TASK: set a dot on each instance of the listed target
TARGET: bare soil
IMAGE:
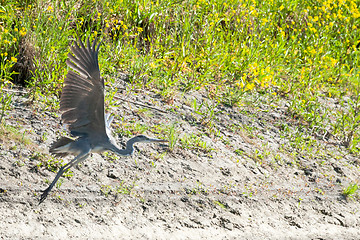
(245, 187)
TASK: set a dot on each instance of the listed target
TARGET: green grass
(50, 163)
(301, 51)
(350, 191)
(193, 142)
(123, 188)
(10, 133)
(223, 206)
(172, 135)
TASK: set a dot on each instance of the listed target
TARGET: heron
(82, 107)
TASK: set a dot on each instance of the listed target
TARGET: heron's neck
(128, 150)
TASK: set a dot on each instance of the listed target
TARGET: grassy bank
(303, 52)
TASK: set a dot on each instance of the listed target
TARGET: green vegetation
(350, 191)
(206, 111)
(223, 206)
(122, 188)
(172, 136)
(5, 101)
(129, 129)
(8, 132)
(194, 142)
(306, 52)
(50, 163)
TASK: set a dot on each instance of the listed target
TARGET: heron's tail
(61, 146)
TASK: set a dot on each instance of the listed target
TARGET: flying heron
(82, 107)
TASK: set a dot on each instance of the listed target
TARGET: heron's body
(82, 106)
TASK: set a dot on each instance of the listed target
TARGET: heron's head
(140, 138)
(145, 139)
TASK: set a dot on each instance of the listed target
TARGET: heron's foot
(44, 195)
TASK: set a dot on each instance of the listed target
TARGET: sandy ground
(246, 187)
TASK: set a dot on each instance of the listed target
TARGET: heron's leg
(81, 157)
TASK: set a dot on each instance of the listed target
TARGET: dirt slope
(243, 181)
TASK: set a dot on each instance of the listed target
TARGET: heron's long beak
(157, 140)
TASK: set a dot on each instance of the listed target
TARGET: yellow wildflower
(250, 86)
(22, 32)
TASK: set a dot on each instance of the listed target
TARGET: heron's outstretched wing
(82, 99)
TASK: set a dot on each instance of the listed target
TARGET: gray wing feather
(82, 99)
